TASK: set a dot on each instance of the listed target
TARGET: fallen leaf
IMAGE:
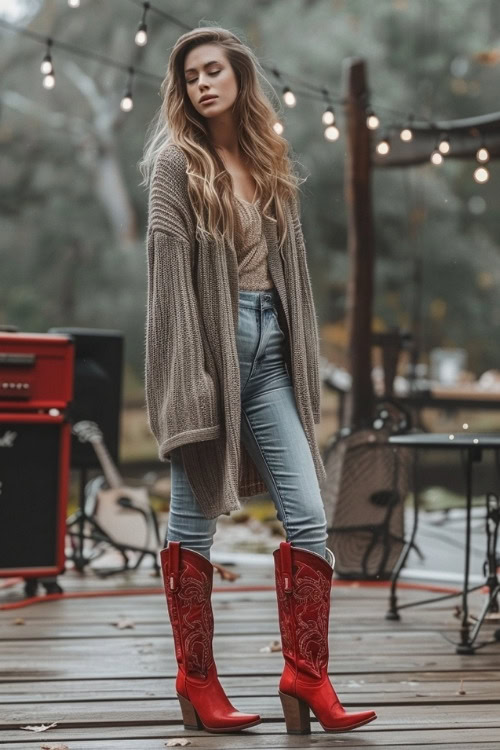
(461, 689)
(41, 727)
(273, 646)
(124, 622)
(58, 746)
(19, 621)
(177, 743)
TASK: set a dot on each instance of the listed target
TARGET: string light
(437, 156)
(406, 134)
(127, 103)
(372, 121)
(482, 154)
(481, 174)
(383, 147)
(444, 144)
(328, 117)
(49, 81)
(289, 97)
(46, 66)
(332, 133)
(141, 36)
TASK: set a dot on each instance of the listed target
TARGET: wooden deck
(109, 688)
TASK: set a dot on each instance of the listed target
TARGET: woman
(231, 375)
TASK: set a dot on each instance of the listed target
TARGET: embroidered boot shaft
(187, 579)
(303, 586)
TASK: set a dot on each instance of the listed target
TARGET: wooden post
(358, 198)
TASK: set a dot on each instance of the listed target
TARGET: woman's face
(208, 72)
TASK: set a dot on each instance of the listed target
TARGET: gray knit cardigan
(192, 379)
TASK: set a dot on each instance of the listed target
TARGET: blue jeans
(272, 433)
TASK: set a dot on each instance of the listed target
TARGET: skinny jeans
(272, 433)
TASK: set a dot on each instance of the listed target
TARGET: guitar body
(123, 513)
(126, 525)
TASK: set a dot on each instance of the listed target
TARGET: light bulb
(482, 154)
(328, 117)
(444, 145)
(406, 134)
(74, 3)
(436, 157)
(481, 174)
(332, 133)
(46, 66)
(126, 103)
(49, 81)
(383, 147)
(289, 98)
(278, 127)
(372, 121)
(141, 37)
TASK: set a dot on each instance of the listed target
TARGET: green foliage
(74, 217)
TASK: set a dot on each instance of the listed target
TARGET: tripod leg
(392, 612)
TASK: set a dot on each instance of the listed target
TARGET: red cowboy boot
(303, 585)
(187, 578)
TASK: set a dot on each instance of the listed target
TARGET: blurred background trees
(73, 215)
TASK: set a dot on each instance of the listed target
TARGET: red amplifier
(36, 388)
(36, 371)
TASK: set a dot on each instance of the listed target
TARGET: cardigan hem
(190, 436)
(253, 488)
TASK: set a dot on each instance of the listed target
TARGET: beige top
(251, 248)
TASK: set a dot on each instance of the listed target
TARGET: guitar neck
(110, 471)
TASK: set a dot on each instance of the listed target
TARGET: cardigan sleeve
(312, 343)
(180, 394)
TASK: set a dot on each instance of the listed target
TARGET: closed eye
(210, 74)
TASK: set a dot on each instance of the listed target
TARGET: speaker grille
(29, 492)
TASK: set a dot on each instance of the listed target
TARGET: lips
(207, 99)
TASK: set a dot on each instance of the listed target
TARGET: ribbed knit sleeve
(311, 342)
(180, 394)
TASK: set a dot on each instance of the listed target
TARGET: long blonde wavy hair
(267, 154)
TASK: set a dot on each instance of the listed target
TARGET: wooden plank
(439, 686)
(265, 736)
(267, 742)
(241, 644)
(121, 659)
(159, 629)
(135, 713)
(348, 615)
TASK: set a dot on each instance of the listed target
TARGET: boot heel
(296, 712)
(189, 715)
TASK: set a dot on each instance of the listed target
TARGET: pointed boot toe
(188, 579)
(303, 588)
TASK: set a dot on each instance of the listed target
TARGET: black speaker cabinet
(98, 385)
(34, 479)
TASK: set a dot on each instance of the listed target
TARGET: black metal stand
(467, 638)
(97, 535)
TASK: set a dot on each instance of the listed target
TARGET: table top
(447, 439)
